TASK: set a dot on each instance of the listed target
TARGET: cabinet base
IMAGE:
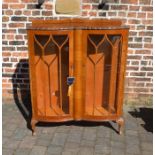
(119, 121)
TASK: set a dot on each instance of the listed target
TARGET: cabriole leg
(120, 123)
(33, 126)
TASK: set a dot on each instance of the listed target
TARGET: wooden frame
(78, 32)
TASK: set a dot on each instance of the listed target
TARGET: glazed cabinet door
(103, 57)
(51, 60)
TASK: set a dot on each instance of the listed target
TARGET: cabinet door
(52, 60)
(102, 55)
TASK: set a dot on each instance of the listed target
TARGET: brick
(7, 85)
(147, 22)
(93, 13)
(143, 63)
(8, 48)
(149, 27)
(122, 14)
(5, 59)
(146, 69)
(14, 59)
(141, 90)
(148, 57)
(94, 7)
(20, 37)
(6, 54)
(8, 31)
(10, 37)
(132, 33)
(8, 12)
(135, 63)
(140, 27)
(119, 7)
(147, 8)
(149, 74)
(22, 31)
(5, 18)
(84, 13)
(10, 1)
(135, 45)
(149, 84)
(29, 1)
(86, 7)
(137, 74)
(15, 18)
(6, 64)
(111, 13)
(4, 6)
(130, 57)
(130, 1)
(134, 21)
(4, 42)
(132, 68)
(103, 14)
(13, 25)
(138, 39)
(35, 13)
(149, 15)
(142, 52)
(90, 1)
(143, 79)
(27, 12)
(47, 13)
(17, 6)
(148, 46)
(141, 15)
(48, 6)
(147, 2)
(132, 14)
(22, 49)
(18, 12)
(3, 36)
(31, 6)
(149, 33)
(16, 42)
(134, 8)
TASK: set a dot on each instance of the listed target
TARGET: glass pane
(101, 74)
(52, 69)
(42, 39)
(64, 75)
(60, 39)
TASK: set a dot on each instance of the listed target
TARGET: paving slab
(77, 138)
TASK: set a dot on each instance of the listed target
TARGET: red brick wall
(138, 14)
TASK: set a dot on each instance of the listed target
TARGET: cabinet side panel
(122, 72)
(32, 73)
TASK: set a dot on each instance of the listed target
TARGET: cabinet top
(71, 24)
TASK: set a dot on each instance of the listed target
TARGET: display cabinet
(77, 70)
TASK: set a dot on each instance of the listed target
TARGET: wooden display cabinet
(77, 69)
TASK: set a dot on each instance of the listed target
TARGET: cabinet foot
(120, 123)
(33, 126)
